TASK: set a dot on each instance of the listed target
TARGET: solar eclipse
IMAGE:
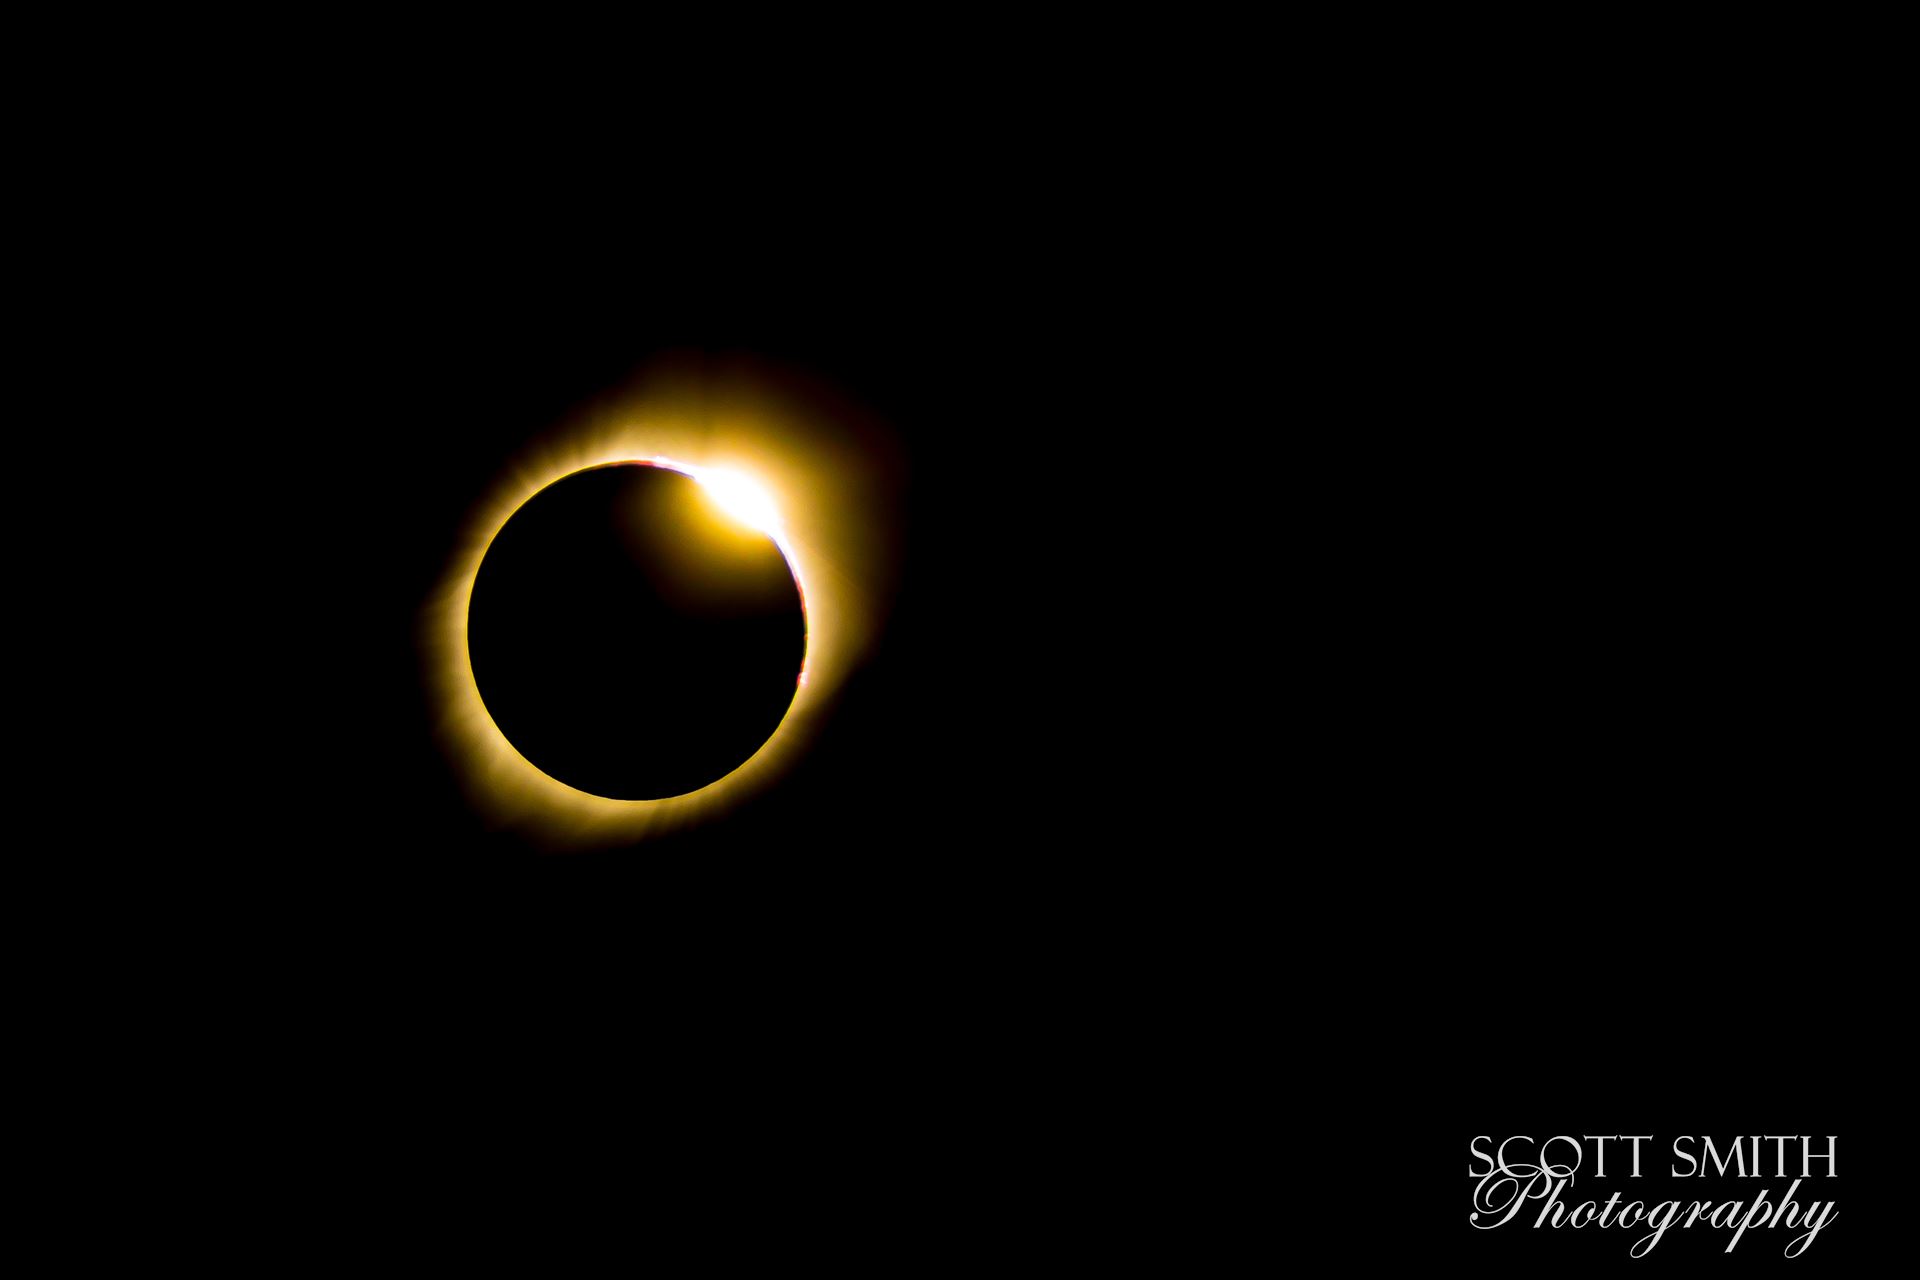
(646, 617)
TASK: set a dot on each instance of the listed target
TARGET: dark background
(1371, 667)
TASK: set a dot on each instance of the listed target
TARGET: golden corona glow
(773, 454)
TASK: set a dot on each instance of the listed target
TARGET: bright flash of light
(779, 457)
(740, 496)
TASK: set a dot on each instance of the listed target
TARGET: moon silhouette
(635, 632)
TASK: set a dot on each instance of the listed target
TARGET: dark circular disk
(629, 638)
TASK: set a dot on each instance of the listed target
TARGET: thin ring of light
(825, 527)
